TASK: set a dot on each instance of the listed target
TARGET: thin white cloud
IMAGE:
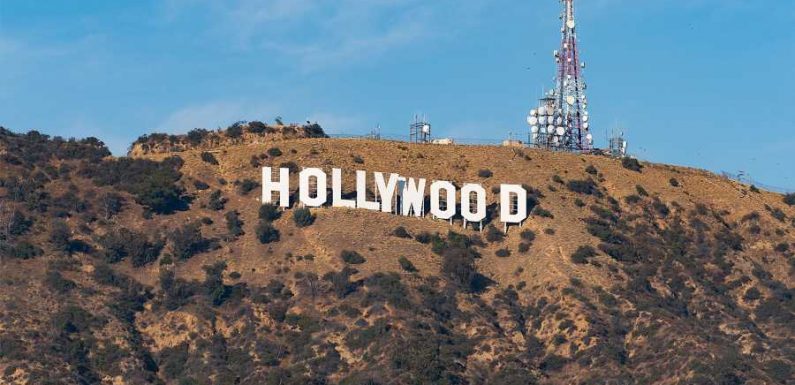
(316, 34)
(215, 114)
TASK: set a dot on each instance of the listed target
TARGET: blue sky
(704, 83)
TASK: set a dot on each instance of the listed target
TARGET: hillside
(164, 268)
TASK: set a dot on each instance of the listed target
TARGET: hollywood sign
(396, 194)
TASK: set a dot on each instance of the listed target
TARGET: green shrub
(303, 217)
(234, 224)
(154, 184)
(235, 130)
(274, 152)
(266, 233)
(543, 213)
(528, 235)
(352, 257)
(583, 254)
(216, 201)
(789, 199)
(188, 241)
(424, 237)
(197, 135)
(641, 191)
(208, 157)
(503, 253)
(60, 236)
(123, 243)
(493, 234)
(591, 170)
(406, 265)
(246, 186)
(18, 224)
(200, 185)
(485, 173)
(358, 159)
(586, 187)
(752, 294)
(20, 250)
(673, 182)
(631, 164)
(292, 166)
(632, 199)
(269, 212)
(401, 232)
(57, 283)
(524, 247)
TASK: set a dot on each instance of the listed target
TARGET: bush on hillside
(235, 131)
(631, 164)
(187, 241)
(274, 152)
(123, 243)
(216, 201)
(493, 234)
(406, 265)
(352, 257)
(528, 235)
(583, 254)
(485, 173)
(591, 170)
(269, 212)
(196, 136)
(401, 232)
(208, 157)
(154, 184)
(586, 187)
(303, 217)
(266, 233)
(789, 199)
(234, 224)
(246, 186)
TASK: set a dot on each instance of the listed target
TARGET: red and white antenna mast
(562, 122)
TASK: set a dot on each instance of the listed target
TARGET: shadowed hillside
(165, 269)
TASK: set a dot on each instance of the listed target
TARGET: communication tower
(618, 145)
(561, 121)
(420, 130)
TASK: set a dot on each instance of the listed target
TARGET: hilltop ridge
(242, 132)
(165, 268)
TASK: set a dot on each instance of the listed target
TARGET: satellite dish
(542, 120)
(561, 131)
(542, 110)
(551, 129)
(570, 99)
(571, 24)
(426, 128)
(589, 137)
(535, 137)
(532, 120)
(533, 113)
(585, 118)
(559, 121)
(534, 130)
(586, 125)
